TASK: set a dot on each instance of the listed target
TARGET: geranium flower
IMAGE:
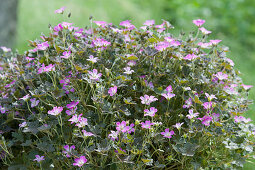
(100, 43)
(130, 128)
(128, 70)
(188, 103)
(75, 119)
(82, 122)
(34, 102)
(246, 87)
(215, 42)
(80, 161)
(43, 46)
(150, 112)
(39, 158)
(113, 90)
(199, 22)
(122, 126)
(94, 75)
(23, 124)
(72, 104)
(147, 124)
(55, 111)
(25, 98)
(167, 134)
(175, 43)
(204, 45)
(206, 120)
(131, 63)
(207, 105)
(221, 76)
(205, 31)
(100, 23)
(150, 84)
(127, 24)
(60, 10)
(71, 111)
(5, 49)
(169, 89)
(168, 96)
(241, 119)
(92, 59)
(2, 109)
(191, 114)
(147, 99)
(149, 22)
(114, 135)
(161, 46)
(66, 55)
(190, 57)
(68, 150)
(210, 97)
(178, 125)
(87, 134)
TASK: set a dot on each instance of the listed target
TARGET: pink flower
(204, 45)
(60, 11)
(82, 122)
(221, 76)
(178, 125)
(43, 46)
(75, 119)
(131, 63)
(210, 97)
(127, 24)
(68, 150)
(34, 102)
(100, 43)
(87, 134)
(80, 161)
(190, 57)
(169, 89)
(49, 68)
(147, 99)
(39, 158)
(25, 98)
(130, 128)
(246, 87)
(92, 59)
(149, 22)
(167, 134)
(147, 124)
(72, 104)
(215, 42)
(168, 96)
(3, 109)
(150, 112)
(128, 70)
(199, 22)
(230, 62)
(55, 111)
(94, 75)
(175, 43)
(205, 31)
(122, 126)
(241, 119)
(114, 135)
(188, 103)
(113, 90)
(161, 46)
(207, 105)
(23, 124)
(191, 114)
(100, 23)
(5, 49)
(206, 120)
(66, 55)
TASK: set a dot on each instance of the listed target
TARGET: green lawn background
(230, 21)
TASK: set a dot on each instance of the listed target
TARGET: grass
(35, 16)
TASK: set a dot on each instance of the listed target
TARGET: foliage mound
(123, 97)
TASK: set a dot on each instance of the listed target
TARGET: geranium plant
(123, 98)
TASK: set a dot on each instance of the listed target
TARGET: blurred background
(232, 21)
